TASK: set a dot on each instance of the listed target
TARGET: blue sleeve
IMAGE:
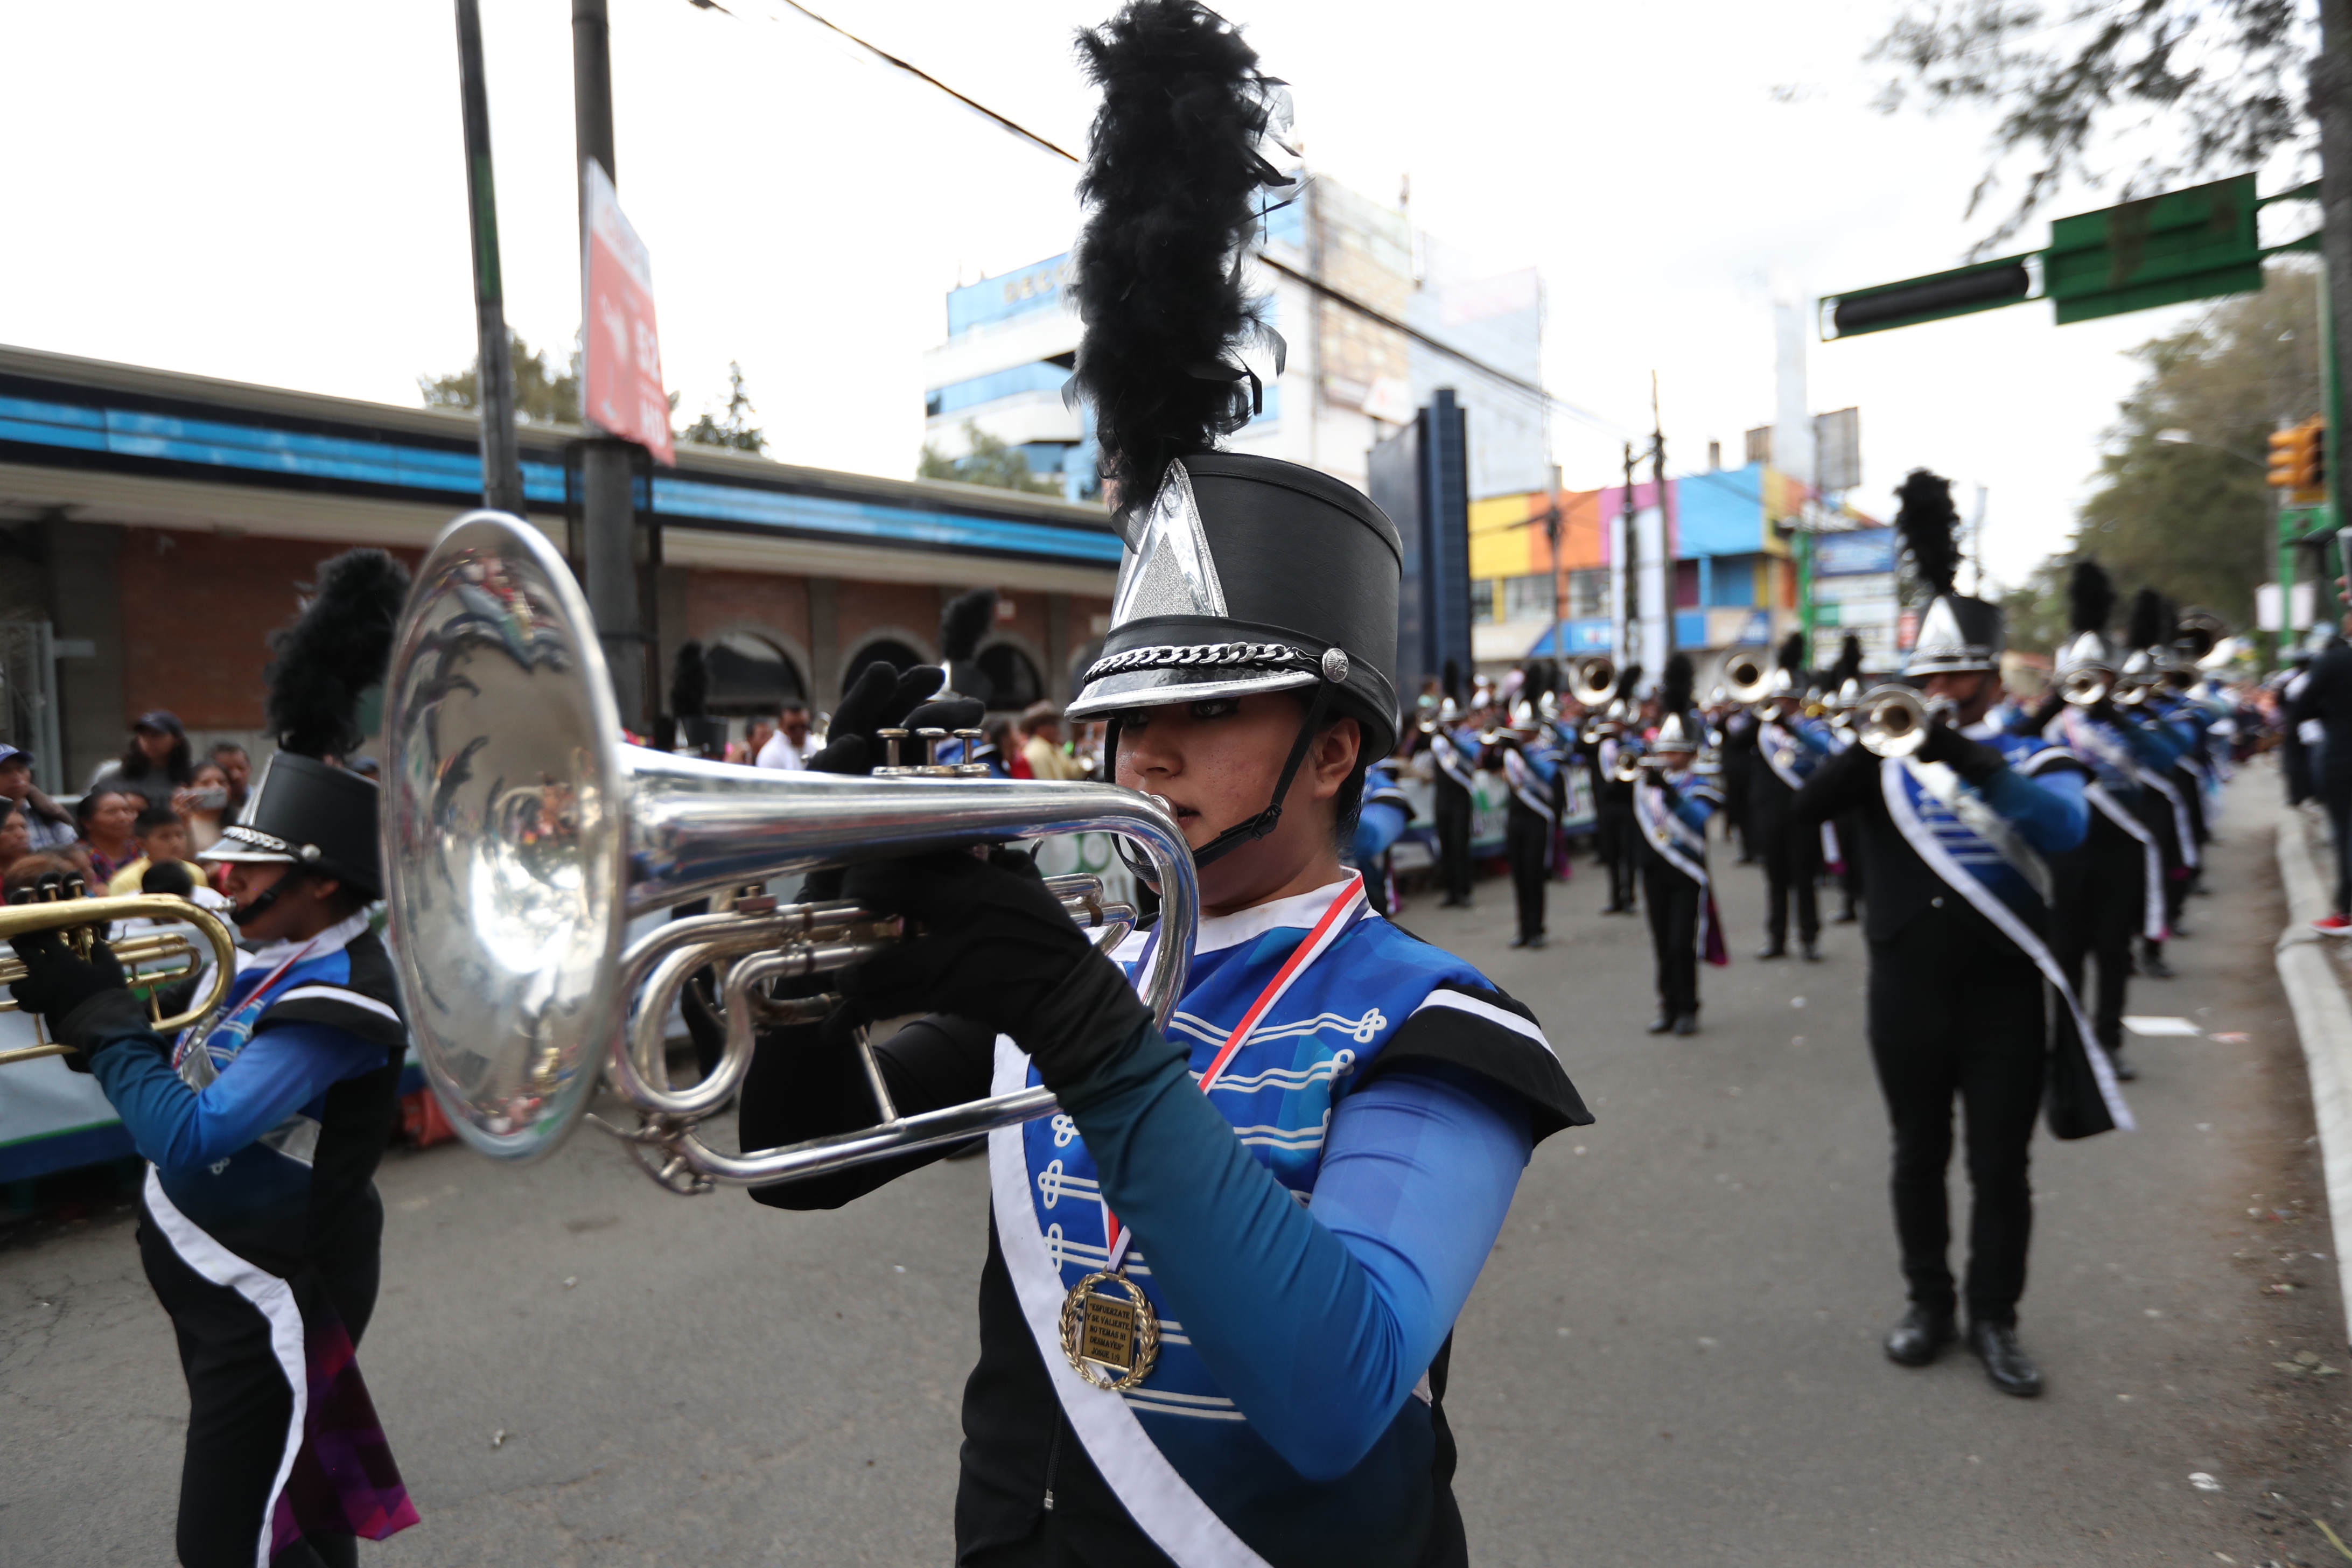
(280, 1071)
(1545, 763)
(2049, 809)
(1378, 826)
(1694, 807)
(1317, 1322)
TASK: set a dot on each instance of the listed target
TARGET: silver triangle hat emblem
(1168, 570)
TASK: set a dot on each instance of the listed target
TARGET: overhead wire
(1543, 396)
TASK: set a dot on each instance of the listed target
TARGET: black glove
(1972, 760)
(996, 948)
(883, 699)
(2049, 709)
(72, 993)
(1668, 792)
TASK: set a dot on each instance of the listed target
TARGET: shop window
(1481, 601)
(1587, 594)
(1528, 598)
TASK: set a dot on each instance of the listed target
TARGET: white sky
(274, 193)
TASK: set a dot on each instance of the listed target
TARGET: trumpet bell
(2085, 685)
(520, 837)
(1593, 679)
(1746, 677)
(1893, 720)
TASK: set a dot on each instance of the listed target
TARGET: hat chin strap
(1255, 827)
(246, 914)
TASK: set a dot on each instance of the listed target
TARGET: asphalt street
(1672, 1357)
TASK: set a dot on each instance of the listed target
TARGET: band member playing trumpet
(1531, 770)
(260, 1224)
(1613, 744)
(1787, 747)
(1454, 761)
(1958, 819)
(1216, 1314)
(1670, 806)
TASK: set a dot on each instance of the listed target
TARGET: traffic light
(2299, 461)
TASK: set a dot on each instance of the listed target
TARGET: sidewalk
(2316, 972)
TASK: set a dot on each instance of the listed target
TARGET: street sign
(2159, 250)
(622, 390)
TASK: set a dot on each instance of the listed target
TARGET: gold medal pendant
(1111, 1342)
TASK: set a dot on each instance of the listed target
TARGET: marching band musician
(2119, 891)
(1613, 742)
(1788, 747)
(1454, 756)
(2164, 804)
(1531, 769)
(259, 1226)
(1387, 812)
(1215, 1315)
(1955, 838)
(1671, 806)
(1846, 833)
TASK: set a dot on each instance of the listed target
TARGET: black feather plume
(1929, 524)
(1793, 653)
(689, 682)
(1628, 682)
(1849, 661)
(2147, 618)
(1173, 179)
(964, 622)
(1674, 690)
(2167, 624)
(329, 656)
(2090, 597)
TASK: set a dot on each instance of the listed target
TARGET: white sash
(1176, 1518)
(1524, 784)
(1449, 758)
(2164, 786)
(1954, 875)
(1772, 754)
(2152, 915)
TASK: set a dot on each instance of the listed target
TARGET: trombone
(158, 957)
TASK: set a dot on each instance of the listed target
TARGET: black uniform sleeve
(366, 1004)
(1491, 1034)
(806, 1083)
(1838, 785)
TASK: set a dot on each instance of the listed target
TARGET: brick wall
(719, 600)
(196, 611)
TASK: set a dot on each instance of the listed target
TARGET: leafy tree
(992, 461)
(2163, 92)
(2182, 504)
(733, 429)
(543, 394)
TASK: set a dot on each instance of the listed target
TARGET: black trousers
(1616, 840)
(1849, 837)
(2157, 813)
(1792, 853)
(240, 1408)
(2336, 794)
(1454, 839)
(1673, 903)
(1956, 1011)
(1527, 837)
(2099, 908)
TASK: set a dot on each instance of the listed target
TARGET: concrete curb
(2323, 1020)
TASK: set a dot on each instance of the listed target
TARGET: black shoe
(1846, 917)
(1686, 1025)
(1920, 1337)
(1517, 941)
(1773, 949)
(2152, 963)
(1537, 940)
(1812, 950)
(1662, 1023)
(2005, 1362)
(2125, 1072)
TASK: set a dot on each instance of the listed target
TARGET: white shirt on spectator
(779, 753)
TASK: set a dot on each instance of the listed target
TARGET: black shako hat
(1957, 633)
(1247, 575)
(304, 812)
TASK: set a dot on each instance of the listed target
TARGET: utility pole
(1628, 572)
(493, 363)
(1666, 530)
(2331, 104)
(608, 552)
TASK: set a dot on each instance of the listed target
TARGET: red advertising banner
(622, 390)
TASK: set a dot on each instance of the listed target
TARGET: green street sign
(2161, 251)
(2195, 244)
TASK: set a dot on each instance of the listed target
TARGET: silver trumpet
(1593, 679)
(1893, 720)
(520, 837)
(2086, 685)
(1746, 677)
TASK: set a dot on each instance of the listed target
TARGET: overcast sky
(275, 193)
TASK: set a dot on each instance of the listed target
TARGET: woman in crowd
(154, 764)
(103, 820)
(15, 836)
(203, 806)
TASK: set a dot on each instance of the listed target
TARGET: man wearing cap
(260, 1228)
(47, 825)
(1957, 837)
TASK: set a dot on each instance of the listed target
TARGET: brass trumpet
(174, 954)
(2086, 684)
(1893, 720)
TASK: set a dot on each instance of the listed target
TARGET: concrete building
(154, 527)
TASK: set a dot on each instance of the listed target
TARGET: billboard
(1855, 552)
(622, 392)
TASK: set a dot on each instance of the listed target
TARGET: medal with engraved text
(1111, 1339)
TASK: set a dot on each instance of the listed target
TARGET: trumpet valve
(892, 739)
(968, 768)
(931, 736)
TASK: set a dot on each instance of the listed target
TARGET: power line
(1535, 390)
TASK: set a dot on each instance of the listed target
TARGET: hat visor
(1160, 687)
(230, 849)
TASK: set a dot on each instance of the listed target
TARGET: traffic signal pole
(493, 362)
